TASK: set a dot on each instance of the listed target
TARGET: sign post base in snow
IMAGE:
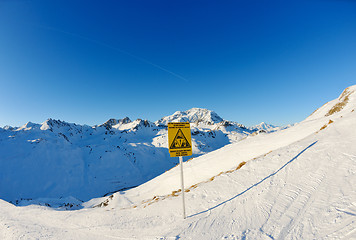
(180, 144)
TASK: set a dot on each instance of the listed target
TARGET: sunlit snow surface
(299, 183)
(57, 159)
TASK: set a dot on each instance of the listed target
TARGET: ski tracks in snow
(289, 201)
(295, 199)
(304, 204)
(245, 213)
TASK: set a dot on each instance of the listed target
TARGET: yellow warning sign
(179, 139)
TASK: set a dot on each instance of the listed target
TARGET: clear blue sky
(249, 61)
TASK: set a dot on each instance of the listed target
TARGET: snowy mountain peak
(264, 126)
(298, 183)
(345, 103)
(50, 124)
(101, 159)
(28, 126)
(7, 127)
(126, 124)
(139, 123)
(194, 115)
(343, 100)
(114, 122)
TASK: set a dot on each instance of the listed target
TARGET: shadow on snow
(256, 184)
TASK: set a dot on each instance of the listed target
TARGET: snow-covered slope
(229, 157)
(57, 159)
(336, 108)
(299, 183)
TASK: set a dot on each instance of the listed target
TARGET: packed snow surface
(298, 183)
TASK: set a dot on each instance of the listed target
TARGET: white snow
(194, 115)
(298, 183)
(57, 159)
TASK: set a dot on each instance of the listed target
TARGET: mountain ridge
(195, 116)
(115, 155)
(292, 184)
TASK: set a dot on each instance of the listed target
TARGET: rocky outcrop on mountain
(112, 122)
(89, 161)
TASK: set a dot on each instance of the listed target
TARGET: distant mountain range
(59, 159)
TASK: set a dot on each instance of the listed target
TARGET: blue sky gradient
(249, 61)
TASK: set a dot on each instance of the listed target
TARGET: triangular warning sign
(180, 141)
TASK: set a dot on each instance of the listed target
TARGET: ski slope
(299, 183)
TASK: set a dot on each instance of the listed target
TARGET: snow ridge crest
(194, 115)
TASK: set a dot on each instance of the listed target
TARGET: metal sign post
(180, 144)
(182, 180)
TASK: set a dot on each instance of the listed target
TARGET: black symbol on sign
(180, 141)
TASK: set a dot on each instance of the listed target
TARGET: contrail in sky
(116, 49)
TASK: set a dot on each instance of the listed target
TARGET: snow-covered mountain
(59, 159)
(197, 116)
(298, 183)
